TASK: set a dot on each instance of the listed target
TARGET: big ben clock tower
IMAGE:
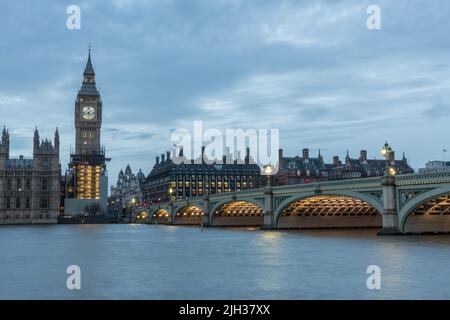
(88, 114)
(86, 180)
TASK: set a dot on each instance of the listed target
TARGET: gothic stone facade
(30, 188)
(86, 178)
(128, 191)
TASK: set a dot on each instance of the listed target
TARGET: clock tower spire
(89, 74)
(87, 175)
(88, 113)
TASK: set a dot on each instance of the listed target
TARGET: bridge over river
(414, 203)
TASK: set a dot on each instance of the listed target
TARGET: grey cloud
(310, 68)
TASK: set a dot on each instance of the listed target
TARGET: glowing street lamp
(392, 171)
(387, 152)
(268, 170)
(170, 193)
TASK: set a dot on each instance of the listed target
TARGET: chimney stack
(305, 154)
(280, 154)
(203, 154)
(238, 157)
(157, 160)
(336, 161)
(228, 157)
(247, 155)
(168, 155)
(363, 156)
(162, 157)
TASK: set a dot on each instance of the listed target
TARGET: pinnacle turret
(88, 86)
(89, 70)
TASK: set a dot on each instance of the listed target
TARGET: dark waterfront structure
(30, 188)
(306, 169)
(86, 179)
(168, 180)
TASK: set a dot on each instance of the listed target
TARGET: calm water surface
(170, 262)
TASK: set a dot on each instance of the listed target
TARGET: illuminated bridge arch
(238, 213)
(189, 214)
(329, 211)
(160, 216)
(429, 212)
(141, 216)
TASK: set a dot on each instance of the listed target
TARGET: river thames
(171, 262)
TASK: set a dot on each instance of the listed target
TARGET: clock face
(88, 112)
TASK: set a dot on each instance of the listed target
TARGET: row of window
(213, 177)
(28, 173)
(205, 179)
(19, 203)
(87, 134)
(213, 185)
(21, 185)
(27, 216)
(183, 192)
(200, 186)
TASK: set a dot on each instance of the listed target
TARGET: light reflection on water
(173, 262)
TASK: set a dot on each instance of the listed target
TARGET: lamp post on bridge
(268, 172)
(388, 154)
(390, 217)
(206, 209)
(170, 218)
(268, 200)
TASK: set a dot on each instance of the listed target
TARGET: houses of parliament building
(30, 187)
(32, 190)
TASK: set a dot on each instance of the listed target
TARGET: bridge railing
(326, 185)
(336, 184)
(225, 195)
(423, 178)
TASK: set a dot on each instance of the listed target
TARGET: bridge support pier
(170, 219)
(269, 220)
(390, 214)
(206, 212)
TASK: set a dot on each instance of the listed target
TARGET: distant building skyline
(172, 180)
(436, 166)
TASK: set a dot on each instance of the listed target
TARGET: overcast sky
(310, 68)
